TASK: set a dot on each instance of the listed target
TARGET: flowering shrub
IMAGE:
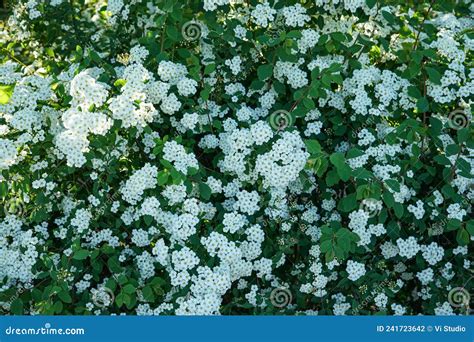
(236, 157)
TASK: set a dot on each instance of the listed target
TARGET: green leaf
(462, 237)
(329, 256)
(5, 93)
(65, 296)
(332, 178)
(205, 191)
(264, 72)
(209, 68)
(337, 78)
(414, 69)
(119, 300)
(58, 307)
(422, 104)
(338, 36)
(354, 153)
(122, 279)
(344, 243)
(371, 3)
(49, 52)
(308, 103)
(204, 94)
(452, 149)
(148, 294)
(389, 17)
(414, 92)
(95, 57)
(398, 208)
(129, 288)
(111, 284)
(393, 184)
(348, 203)
(176, 176)
(114, 265)
(326, 80)
(470, 227)
(81, 254)
(343, 170)
(321, 166)
(172, 32)
(326, 246)
(16, 307)
(463, 134)
(388, 199)
(312, 146)
(343, 233)
(433, 75)
(148, 220)
(453, 224)
(339, 252)
(163, 176)
(436, 126)
(337, 159)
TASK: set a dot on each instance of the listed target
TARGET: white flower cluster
(319, 147)
(18, 252)
(282, 165)
(263, 14)
(79, 122)
(141, 180)
(355, 270)
(176, 154)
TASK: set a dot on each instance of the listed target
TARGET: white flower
(355, 270)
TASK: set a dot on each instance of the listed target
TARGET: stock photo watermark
(191, 30)
(458, 119)
(281, 119)
(47, 329)
(281, 297)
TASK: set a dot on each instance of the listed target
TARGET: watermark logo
(281, 297)
(280, 119)
(191, 30)
(371, 206)
(458, 119)
(103, 297)
(459, 297)
(14, 206)
(46, 330)
(275, 30)
(275, 36)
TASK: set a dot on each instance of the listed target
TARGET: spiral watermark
(458, 119)
(103, 297)
(280, 119)
(14, 206)
(303, 227)
(459, 297)
(191, 30)
(371, 206)
(281, 297)
(402, 180)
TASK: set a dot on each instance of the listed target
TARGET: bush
(236, 157)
